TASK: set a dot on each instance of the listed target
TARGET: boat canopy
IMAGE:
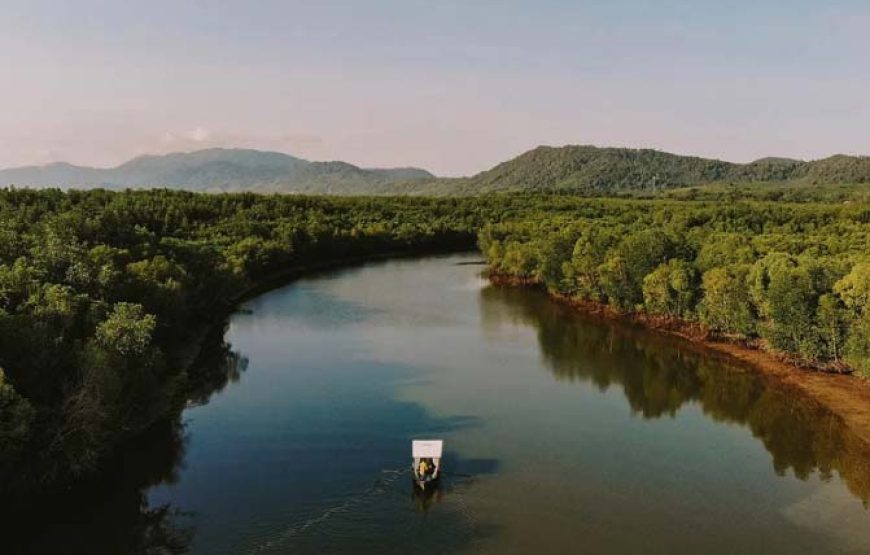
(426, 448)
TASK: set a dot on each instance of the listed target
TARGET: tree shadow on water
(109, 512)
(659, 375)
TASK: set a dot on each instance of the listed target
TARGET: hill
(583, 168)
(216, 170)
(574, 168)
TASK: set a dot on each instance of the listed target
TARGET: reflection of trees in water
(112, 514)
(658, 375)
(217, 366)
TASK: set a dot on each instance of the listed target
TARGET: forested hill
(610, 170)
(218, 169)
(573, 168)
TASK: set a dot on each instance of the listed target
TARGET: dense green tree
(727, 305)
(722, 249)
(785, 293)
(127, 330)
(589, 253)
(616, 282)
(854, 289)
(832, 326)
(520, 260)
(554, 251)
(670, 289)
(636, 255)
(858, 345)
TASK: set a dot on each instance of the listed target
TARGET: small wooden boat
(426, 468)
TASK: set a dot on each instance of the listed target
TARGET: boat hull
(427, 483)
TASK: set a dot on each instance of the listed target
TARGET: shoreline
(847, 396)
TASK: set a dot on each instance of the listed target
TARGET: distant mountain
(585, 168)
(573, 168)
(219, 169)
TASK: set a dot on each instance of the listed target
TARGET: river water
(563, 434)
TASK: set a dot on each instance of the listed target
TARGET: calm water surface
(564, 434)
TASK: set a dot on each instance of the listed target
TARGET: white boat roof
(427, 448)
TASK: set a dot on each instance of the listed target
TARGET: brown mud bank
(845, 395)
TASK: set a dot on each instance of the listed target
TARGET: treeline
(103, 295)
(793, 278)
(791, 193)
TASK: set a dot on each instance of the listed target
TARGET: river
(563, 433)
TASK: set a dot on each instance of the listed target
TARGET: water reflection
(425, 500)
(218, 366)
(111, 514)
(659, 375)
(459, 476)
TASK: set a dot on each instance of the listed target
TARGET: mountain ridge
(569, 168)
(216, 169)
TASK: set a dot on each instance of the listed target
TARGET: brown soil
(846, 395)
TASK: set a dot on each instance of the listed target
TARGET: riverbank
(845, 395)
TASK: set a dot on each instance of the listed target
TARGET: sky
(454, 86)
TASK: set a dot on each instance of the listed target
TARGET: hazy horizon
(418, 166)
(450, 87)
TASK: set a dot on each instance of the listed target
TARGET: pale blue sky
(452, 86)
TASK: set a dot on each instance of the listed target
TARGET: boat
(426, 454)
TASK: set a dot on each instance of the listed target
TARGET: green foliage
(127, 330)
(723, 249)
(727, 306)
(589, 253)
(858, 345)
(854, 289)
(670, 289)
(554, 251)
(794, 275)
(832, 326)
(788, 301)
(636, 256)
(616, 282)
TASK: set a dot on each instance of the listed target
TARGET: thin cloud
(198, 135)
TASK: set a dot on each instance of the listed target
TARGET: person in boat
(427, 467)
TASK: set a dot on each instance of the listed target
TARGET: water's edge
(845, 395)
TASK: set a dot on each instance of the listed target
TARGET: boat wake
(351, 502)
